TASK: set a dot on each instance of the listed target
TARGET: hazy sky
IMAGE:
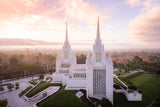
(123, 23)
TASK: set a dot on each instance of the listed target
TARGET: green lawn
(40, 87)
(24, 91)
(49, 79)
(118, 73)
(127, 79)
(63, 98)
(149, 85)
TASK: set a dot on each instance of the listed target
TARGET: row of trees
(21, 70)
(14, 65)
(18, 65)
(138, 63)
(81, 59)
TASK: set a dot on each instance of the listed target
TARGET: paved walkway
(13, 96)
(120, 81)
(14, 100)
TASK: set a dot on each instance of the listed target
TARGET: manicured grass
(149, 85)
(118, 73)
(63, 98)
(49, 79)
(127, 79)
(121, 101)
(40, 87)
(24, 91)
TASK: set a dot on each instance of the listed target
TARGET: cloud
(148, 4)
(133, 3)
(146, 26)
(63, 9)
(45, 19)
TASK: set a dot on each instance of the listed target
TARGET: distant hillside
(23, 42)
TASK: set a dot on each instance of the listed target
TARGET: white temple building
(96, 76)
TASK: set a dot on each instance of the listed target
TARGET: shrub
(10, 87)
(3, 103)
(17, 84)
(33, 82)
(41, 77)
(106, 103)
(139, 91)
(17, 88)
(132, 87)
(84, 98)
(157, 102)
(1, 88)
(116, 86)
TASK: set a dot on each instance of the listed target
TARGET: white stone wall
(109, 79)
(76, 83)
(131, 96)
(135, 96)
(90, 80)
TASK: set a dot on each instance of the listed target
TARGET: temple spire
(98, 30)
(66, 33)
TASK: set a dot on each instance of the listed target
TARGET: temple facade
(96, 76)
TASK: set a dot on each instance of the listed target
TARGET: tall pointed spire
(98, 30)
(66, 33)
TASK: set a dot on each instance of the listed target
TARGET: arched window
(98, 57)
(66, 55)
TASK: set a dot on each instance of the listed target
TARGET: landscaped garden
(148, 84)
(24, 91)
(40, 87)
(63, 98)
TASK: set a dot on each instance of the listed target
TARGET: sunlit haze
(123, 23)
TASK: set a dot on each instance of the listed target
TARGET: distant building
(96, 76)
